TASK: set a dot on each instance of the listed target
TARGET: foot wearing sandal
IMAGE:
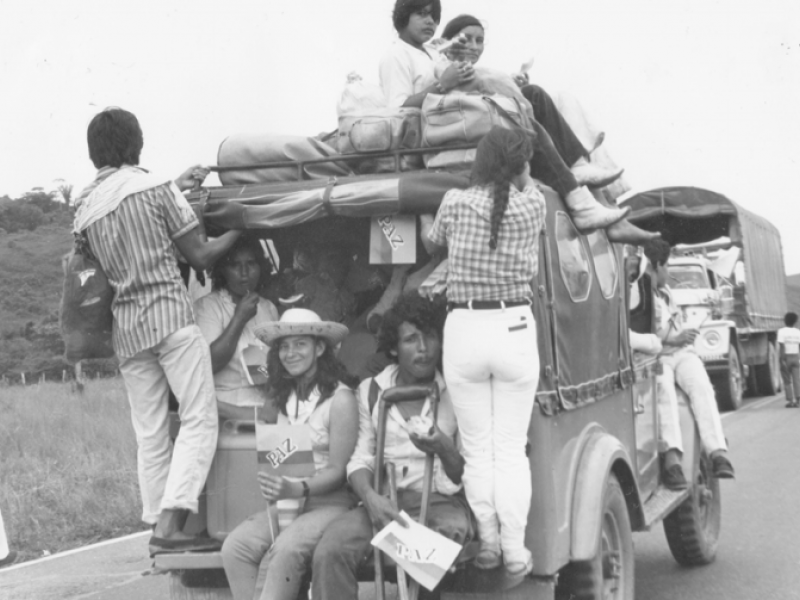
(520, 566)
(488, 558)
(721, 466)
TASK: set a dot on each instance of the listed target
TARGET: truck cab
(593, 438)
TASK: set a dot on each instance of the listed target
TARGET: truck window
(572, 259)
(692, 277)
(605, 263)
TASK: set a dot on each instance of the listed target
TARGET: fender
(601, 454)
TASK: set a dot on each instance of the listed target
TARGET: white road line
(753, 406)
(39, 561)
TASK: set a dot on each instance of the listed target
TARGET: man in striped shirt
(134, 222)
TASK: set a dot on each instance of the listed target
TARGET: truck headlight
(712, 338)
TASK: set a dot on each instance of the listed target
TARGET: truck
(727, 276)
(594, 449)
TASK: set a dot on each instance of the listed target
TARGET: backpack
(86, 318)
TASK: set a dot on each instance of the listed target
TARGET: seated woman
(407, 75)
(228, 318)
(308, 386)
(557, 145)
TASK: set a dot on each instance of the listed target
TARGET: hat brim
(334, 333)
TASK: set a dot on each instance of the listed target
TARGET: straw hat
(301, 321)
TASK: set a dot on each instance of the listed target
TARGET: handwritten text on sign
(392, 240)
(279, 455)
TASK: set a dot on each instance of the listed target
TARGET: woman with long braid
(491, 362)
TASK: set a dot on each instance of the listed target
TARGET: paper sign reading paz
(424, 554)
(284, 450)
(393, 240)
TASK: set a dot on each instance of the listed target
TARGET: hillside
(30, 291)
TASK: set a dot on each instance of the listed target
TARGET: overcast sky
(689, 92)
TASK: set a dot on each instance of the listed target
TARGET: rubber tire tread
(722, 387)
(766, 385)
(583, 580)
(684, 531)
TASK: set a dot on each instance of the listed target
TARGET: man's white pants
(491, 366)
(182, 362)
(4, 550)
(686, 369)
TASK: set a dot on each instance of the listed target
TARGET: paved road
(759, 550)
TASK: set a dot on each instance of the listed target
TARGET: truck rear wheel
(609, 575)
(768, 375)
(693, 528)
(728, 384)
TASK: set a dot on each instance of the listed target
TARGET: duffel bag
(381, 130)
(86, 319)
(462, 118)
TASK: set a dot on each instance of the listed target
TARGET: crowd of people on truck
(478, 344)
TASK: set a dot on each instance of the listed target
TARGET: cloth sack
(381, 130)
(259, 148)
(86, 318)
(464, 118)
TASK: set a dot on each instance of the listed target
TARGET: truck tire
(768, 375)
(728, 384)
(609, 575)
(178, 590)
(692, 529)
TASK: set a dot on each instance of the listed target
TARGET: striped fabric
(134, 246)
(475, 271)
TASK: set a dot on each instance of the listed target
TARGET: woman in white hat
(308, 386)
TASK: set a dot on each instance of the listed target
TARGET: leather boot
(625, 232)
(588, 214)
(593, 176)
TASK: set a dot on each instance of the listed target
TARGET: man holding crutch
(411, 335)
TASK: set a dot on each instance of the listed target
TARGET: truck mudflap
(475, 584)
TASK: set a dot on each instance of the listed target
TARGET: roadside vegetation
(68, 468)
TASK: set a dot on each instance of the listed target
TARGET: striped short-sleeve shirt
(134, 243)
(475, 271)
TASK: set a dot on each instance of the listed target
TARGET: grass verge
(68, 467)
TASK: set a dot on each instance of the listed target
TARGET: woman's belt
(488, 304)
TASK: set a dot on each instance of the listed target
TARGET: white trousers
(491, 366)
(172, 478)
(4, 550)
(686, 369)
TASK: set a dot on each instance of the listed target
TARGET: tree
(65, 189)
(38, 197)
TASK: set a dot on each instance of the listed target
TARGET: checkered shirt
(475, 271)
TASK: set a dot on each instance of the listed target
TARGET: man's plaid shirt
(475, 271)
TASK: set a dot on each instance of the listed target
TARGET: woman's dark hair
(248, 244)
(115, 138)
(501, 156)
(330, 371)
(426, 315)
(454, 27)
(403, 9)
(657, 252)
(789, 319)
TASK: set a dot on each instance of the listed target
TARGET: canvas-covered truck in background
(728, 277)
(594, 447)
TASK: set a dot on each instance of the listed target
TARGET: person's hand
(433, 443)
(521, 79)
(247, 307)
(436, 42)
(195, 173)
(456, 74)
(275, 488)
(687, 336)
(381, 511)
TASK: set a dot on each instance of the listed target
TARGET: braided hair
(502, 155)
